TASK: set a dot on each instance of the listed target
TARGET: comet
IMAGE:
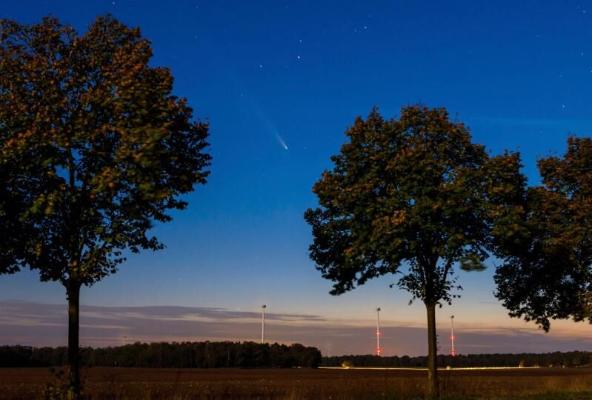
(281, 141)
(268, 124)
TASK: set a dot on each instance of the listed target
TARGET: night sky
(280, 81)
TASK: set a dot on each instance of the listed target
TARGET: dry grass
(188, 384)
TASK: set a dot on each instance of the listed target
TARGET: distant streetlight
(263, 307)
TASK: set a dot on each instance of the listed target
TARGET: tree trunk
(73, 344)
(433, 388)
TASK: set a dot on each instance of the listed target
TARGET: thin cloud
(109, 326)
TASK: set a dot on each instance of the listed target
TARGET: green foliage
(93, 147)
(546, 244)
(57, 388)
(405, 196)
(14, 233)
(472, 262)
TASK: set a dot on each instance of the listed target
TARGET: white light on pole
(263, 307)
(452, 349)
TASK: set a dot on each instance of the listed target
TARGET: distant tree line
(556, 359)
(169, 355)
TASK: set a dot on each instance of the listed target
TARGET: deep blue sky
(296, 73)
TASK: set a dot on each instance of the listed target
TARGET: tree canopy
(110, 148)
(16, 234)
(403, 193)
(546, 244)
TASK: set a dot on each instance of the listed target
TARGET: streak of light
(425, 369)
(281, 141)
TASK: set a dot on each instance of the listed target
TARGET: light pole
(452, 350)
(378, 349)
(263, 307)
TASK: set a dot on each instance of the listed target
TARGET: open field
(131, 383)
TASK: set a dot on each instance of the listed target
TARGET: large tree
(546, 244)
(405, 196)
(108, 151)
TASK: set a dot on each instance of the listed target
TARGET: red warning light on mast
(378, 348)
